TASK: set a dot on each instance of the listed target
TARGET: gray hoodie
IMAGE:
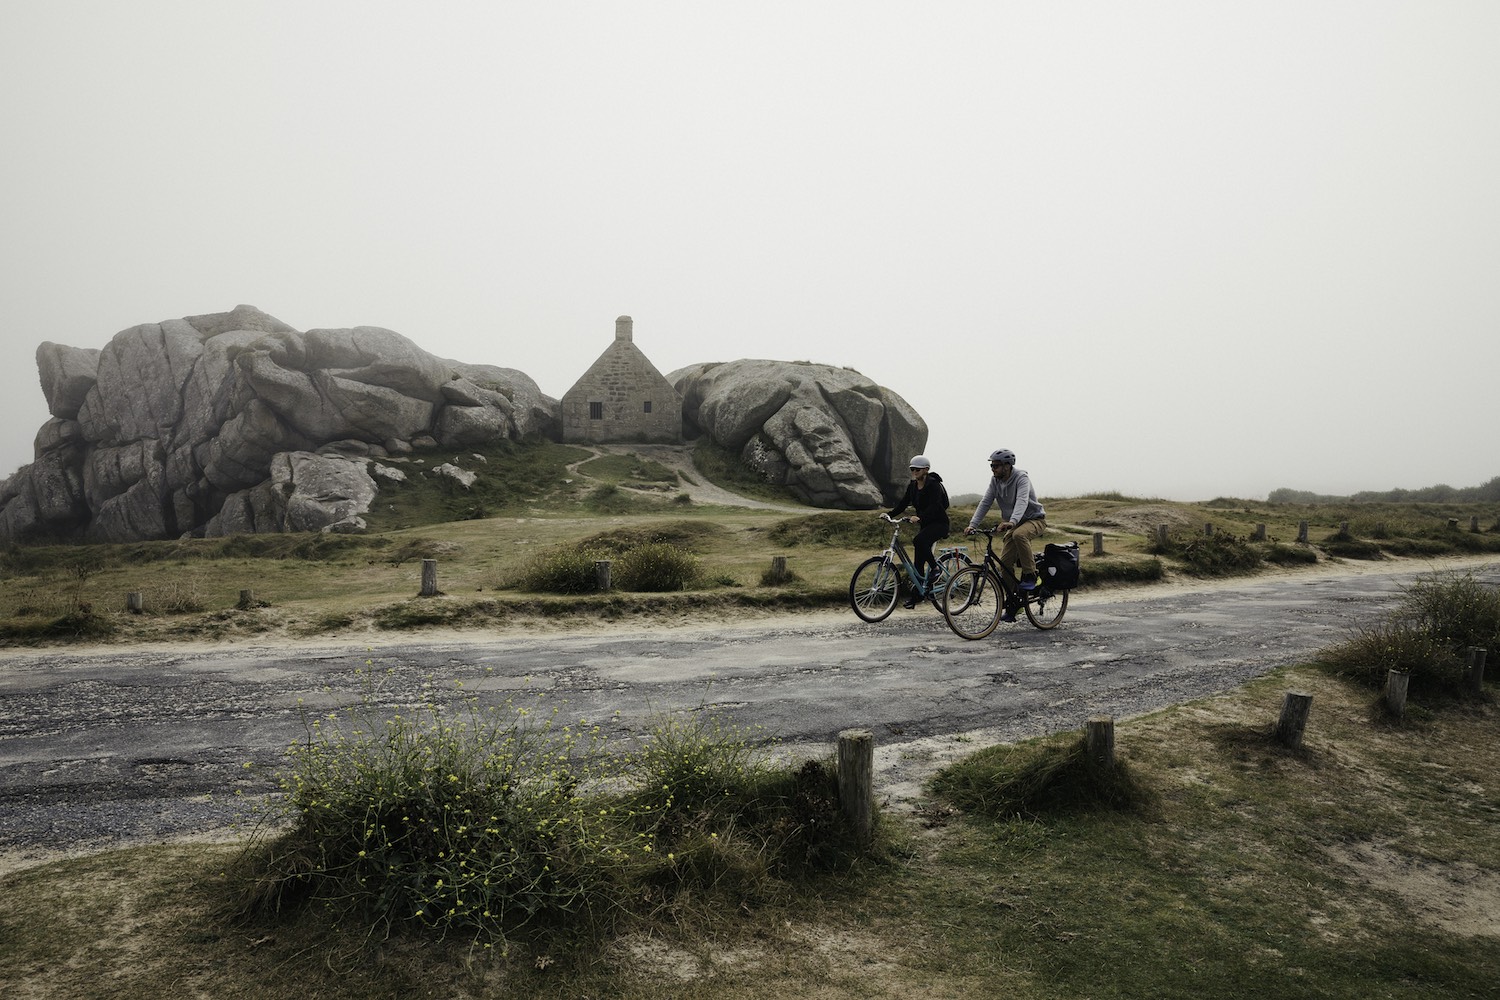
(1014, 499)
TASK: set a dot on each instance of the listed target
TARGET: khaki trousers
(1016, 552)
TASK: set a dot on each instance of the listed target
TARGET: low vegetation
(1428, 637)
(523, 542)
(502, 824)
(480, 848)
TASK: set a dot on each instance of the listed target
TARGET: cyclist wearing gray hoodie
(1014, 497)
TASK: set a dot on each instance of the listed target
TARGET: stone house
(622, 397)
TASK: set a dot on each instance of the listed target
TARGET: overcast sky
(1183, 249)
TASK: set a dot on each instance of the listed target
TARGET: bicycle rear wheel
(873, 589)
(1046, 611)
(973, 602)
(953, 563)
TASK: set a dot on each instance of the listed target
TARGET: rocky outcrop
(235, 421)
(832, 436)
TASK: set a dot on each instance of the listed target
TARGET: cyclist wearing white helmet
(928, 498)
(1014, 497)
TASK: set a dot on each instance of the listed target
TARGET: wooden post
(1343, 527)
(1208, 530)
(856, 781)
(1260, 533)
(778, 569)
(1474, 524)
(1302, 532)
(1098, 543)
(601, 574)
(1161, 535)
(247, 600)
(1099, 739)
(1294, 709)
(429, 577)
(1395, 692)
(133, 602)
(1477, 655)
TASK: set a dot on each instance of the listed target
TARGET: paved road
(143, 745)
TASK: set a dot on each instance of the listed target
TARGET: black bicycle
(981, 594)
(876, 584)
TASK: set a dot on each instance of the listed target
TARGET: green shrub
(1219, 554)
(655, 567)
(1108, 569)
(467, 820)
(567, 570)
(1288, 555)
(486, 821)
(684, 534)
(1427, 637)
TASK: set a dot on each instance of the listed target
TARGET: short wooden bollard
(1098, 543)
(1099, 741)
(429, 577)
(1395, 692)
(1302, 532)
(133, 602)
(1161, 535)
(1208, 531)
(1477, 655)
(1260, 533)
(1294, 710)
(1474, 524)
(856, 780)
(247, 600)
(601, 574)
(778, 569)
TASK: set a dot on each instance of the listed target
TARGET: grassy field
(1363, 864)
(533, 500)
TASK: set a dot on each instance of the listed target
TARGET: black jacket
(930, 503)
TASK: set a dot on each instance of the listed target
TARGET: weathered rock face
(236, 422)
(830, 434)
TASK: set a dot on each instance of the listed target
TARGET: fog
(1173, 249)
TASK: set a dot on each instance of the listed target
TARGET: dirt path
(114, 747)
(679, 459)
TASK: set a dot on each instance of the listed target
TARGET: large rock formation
(236, 422)
(830, 434)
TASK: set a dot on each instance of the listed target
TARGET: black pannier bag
(1058, 566)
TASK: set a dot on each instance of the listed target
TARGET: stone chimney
(623, 328)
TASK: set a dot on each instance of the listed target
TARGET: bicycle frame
(897, 551)
(873, 596)
(975, 617)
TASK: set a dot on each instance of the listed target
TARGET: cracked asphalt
(105, 748)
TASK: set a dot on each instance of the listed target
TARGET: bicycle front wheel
(1046, 611)
(972, 603)
(873, 588)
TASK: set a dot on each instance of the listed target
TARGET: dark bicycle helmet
(1003, 456)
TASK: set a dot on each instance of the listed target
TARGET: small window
(596, 411)
(648, 406)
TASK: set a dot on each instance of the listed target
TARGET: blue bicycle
(876, 584)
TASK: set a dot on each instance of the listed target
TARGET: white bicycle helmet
(920, 462)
